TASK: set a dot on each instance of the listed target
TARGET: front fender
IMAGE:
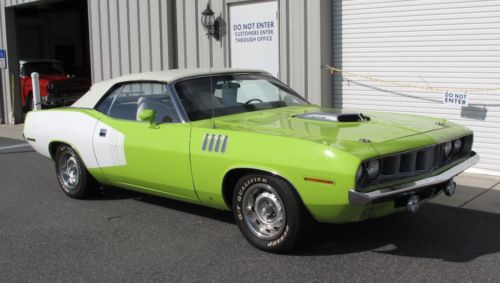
(302, 163)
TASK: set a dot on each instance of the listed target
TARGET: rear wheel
(269, 213)
(73, 176)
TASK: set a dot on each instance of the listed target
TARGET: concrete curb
(12, 131)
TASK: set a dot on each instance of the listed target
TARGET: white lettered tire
(269, 213)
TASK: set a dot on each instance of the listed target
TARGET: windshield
(43, 68)
(221, 95)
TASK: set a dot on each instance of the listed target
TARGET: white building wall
(126, 36)
(304, 34)
(437, 43)
(130, 36)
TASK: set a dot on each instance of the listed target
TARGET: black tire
(266, 193)
(74, 178)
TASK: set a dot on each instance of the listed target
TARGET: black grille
(416, 162)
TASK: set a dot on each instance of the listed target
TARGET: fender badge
(364, 140)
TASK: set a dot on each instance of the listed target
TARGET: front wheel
(72, 174)
(269, 213)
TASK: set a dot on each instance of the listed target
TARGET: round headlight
(373, 168)
(360, 174)
(457, 145)
(448, 147)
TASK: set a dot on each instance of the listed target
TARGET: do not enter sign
(455, 99)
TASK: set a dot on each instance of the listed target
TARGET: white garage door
(424, 43)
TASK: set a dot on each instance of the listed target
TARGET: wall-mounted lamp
(209, 23)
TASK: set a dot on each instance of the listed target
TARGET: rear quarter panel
(72, 126)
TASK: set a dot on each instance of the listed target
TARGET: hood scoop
(334, 117)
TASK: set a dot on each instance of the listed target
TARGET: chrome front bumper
(360, 198)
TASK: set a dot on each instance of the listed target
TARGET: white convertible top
(92, 97)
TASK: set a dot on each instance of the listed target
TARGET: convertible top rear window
(221, 95)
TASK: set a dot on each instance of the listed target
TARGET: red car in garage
(57, 88)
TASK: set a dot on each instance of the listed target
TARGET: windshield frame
(173, 89)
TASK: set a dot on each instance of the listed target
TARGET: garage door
(405, 54)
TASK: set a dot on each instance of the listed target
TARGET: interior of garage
(48, 30)
(55, 31)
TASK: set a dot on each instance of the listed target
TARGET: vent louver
(215, 143)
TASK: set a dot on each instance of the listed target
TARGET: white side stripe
(15, 146)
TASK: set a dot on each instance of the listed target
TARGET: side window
(127, 101)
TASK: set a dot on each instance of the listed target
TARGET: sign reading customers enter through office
(251, 32)
(254, 36)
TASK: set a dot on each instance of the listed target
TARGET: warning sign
(254, 39)
(455, 99)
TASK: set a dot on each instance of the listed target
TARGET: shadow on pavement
(436, 231)
(114, 193)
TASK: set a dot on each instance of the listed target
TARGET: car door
(149, 157)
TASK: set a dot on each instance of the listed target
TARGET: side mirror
(148, 115)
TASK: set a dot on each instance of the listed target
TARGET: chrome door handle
(102, 132)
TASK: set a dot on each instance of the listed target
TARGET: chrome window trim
(173, 95)
(178, 104)
(179, 108)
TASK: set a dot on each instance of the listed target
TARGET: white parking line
(15, 146)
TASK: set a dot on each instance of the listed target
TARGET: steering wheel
(254, 100)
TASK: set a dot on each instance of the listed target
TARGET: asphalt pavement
(125, 236)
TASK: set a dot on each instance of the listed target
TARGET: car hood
(377, 129)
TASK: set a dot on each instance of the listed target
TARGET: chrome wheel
(69, 171)
(73, 177)
(263, 211)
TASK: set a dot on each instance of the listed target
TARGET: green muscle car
(241, 140)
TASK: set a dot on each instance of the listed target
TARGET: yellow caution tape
(409, 85)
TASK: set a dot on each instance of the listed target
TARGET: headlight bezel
(457, 146)
(448, 148)
(373, 169)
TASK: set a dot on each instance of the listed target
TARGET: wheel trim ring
(263, 211)
(69, 171)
